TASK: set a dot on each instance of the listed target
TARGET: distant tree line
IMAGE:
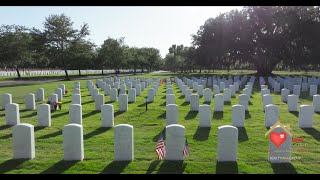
(60, 45)
(263, 38)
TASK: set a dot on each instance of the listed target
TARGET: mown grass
(98, 142)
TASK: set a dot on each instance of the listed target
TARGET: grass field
(98, 142)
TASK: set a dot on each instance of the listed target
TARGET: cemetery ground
(147, 125)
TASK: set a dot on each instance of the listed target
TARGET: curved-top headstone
(107, 115)
(75, 114)
(218, 103)
(151, 93)
(73, 142)
(99, 101)
(171, 114)
(12, 114)
(44, 115)
(316, 103)
(6, 99)
(238, 115)
(271, 115)
(194, 102)
(123, 143)
(76, 99)
(23, 141)
(205, 115)
(30, 102)
(175, 142)
(40, 94)
(306, 116)
(227, 144)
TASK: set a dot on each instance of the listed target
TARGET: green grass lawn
(98, 142)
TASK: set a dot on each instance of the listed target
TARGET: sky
(144, 26)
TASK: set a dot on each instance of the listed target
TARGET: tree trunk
(19, 76)
(79, 72)
(134, 70)
(264, 70)
(200, 71)
(102, 71)
(66, 71)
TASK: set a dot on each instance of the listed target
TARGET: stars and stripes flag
(186, 150)
(161, 148)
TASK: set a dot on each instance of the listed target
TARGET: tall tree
(59, 33)
(15, 46)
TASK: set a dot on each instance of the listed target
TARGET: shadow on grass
(6, 136)
(2, 115)
(247, 115)
(163, 115)
(181, 97)
(29, 115)
(67, 102)
(88, 102)
(144, 104)
(317, 113)
(163, 104)
(54, 134)
(250, 103)
(152, 166)
(227, 103)
(191, 115)
(171, 167)
(25, 110)
(60, 167)
(202, 133)
(163, 97)
(156, 137)
(108, 102)
(227, 168)
(218, 115)
(4, 127)
(38, 128)
(96, 132)
(115, 167)
(185, 104)
(283, 168)
(242, 134)
(313, 132)
(60, 114)
(11, 165)
(208, 103)
(296, 113)
(118, 113)
(90, 114)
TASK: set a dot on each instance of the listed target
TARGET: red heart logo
(278, 139)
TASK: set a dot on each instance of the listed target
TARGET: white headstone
(194, 102)
(175, 142)
(23, 141)
(169, 91)
(171, 114)
(313, 90)
(271, 115)
(76, 99)
(75, 114)
(293, 102)
(123, 102)
(99, 101)
(170, 99)
(12, 114)
(232, 90)
(296, 90)
(284, 94)
(226, 95)
(306, 116)
(73, 142)
(107, 115)
(227, 144)
(238, 115)
(30, 102)
(123, 143)
(216, 89)
(200, 90)
(59, 92)
(138, 89)
(218, 103)
(6, 99)
(123, 89)
(188, 95)
(40, 94)
(151, 93)
(207, 95)
(267, 99)
(63, 87)
(205, 115)
(76, 91)
(222, 86)
(316, 103)
(132, 95)
(244, 101)
(95, 92)
(53, 98)
(44, 115)
(107, 89)
(114, 94)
